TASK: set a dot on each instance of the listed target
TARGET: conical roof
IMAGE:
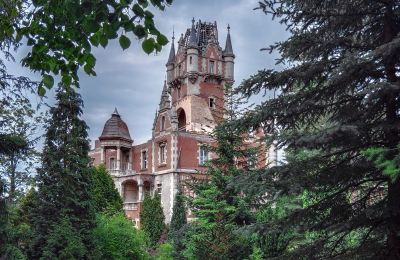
(228, 44)
(193, 36)
(115, 129)
(171, 57)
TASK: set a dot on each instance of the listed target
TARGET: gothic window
(163, 123)
(162, 153)
(203, 155)
(113, 165)
(144, 159)
(212, 66)
(211, 102)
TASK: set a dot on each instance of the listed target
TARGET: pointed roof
(171, 58)
(164, 101)
(115, 129)
(228, 44)
(193, 36)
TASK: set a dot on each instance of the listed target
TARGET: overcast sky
(132, 81)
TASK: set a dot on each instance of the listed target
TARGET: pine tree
(152, 218)
(178, 219)
(339, 107)
(219, 208)
(63, 199)
(106, 198)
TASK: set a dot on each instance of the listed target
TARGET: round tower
(229, 58)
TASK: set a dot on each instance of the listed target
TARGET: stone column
(140, 192)
(118, 158)
(130, 160)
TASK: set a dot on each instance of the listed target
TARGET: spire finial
(115, 112)
(173, 33)
(229, 28)
(193, 20)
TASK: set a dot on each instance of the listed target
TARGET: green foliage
(64, 242)
(60, 34)
(106, 198)
(63, 202)
(337, 102)
(178, 219)
(164, 252)
(115, 237)
(390, 168)
(152, 218)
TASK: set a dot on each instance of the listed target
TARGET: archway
(181, 119)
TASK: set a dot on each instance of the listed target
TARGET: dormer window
(212, 67)
(162, 123)
(211, 102)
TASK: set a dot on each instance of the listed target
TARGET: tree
(116, 238)
(19, 120)
(64, 202)
(219, 208)
(152, 218)
(178, 219)
(60, 34)
(344, 70)
(106, 198)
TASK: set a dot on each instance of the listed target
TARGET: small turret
(171, 61)
(192, 51)
(229, 57)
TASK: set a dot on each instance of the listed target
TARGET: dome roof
(115, 128)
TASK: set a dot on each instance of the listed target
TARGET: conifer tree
(152, 218)
(219, 208)
(178, 219)
(339, 107)
(63, 201)
(106, 198)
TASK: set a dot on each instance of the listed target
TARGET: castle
(191, 104)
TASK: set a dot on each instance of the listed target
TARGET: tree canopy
(61, 34)
(338, 111)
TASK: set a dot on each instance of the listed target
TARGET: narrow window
(162, 153)
(203, 158)
(144, 159)
(190, 59)
(163, 123)
(212, 68)
(211, 102)
(179, 70)
(113, 165)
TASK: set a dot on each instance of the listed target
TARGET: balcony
(115, 172)
(130, 205)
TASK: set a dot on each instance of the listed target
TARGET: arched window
(181, 119)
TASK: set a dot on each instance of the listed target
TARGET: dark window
(212, 67)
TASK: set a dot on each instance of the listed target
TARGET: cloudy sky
(132, 81)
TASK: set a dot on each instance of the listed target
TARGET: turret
(192, 51)
(229, 57)
(165, 103)
(171, 61)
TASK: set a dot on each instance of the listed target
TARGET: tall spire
(164, 101)
(228, 45)
(171, 58)
(192, 36)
